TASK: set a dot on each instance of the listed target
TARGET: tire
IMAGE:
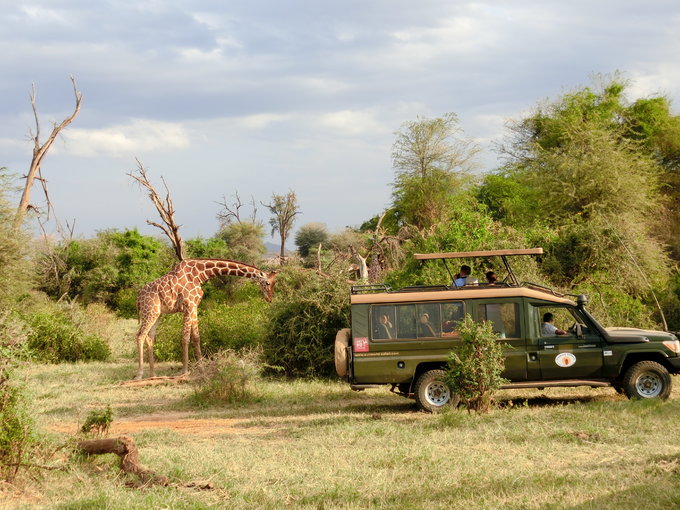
(647, 379)
(433, 394)
(341, 344)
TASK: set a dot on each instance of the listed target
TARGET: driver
(548, 328)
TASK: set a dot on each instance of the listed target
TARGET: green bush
(304, 322)
(238, 326)
(474, 371)
(100, 269)
(57, 334)
(98, 421)
(17, 434)
(226, 376)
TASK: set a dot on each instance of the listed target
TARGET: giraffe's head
(267, 282)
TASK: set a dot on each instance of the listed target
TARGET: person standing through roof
(463, 277)
(491, 278)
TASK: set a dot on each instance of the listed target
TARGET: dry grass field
(317, 444)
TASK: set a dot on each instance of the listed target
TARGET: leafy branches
(475, 369)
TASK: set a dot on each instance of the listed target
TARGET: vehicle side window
(416, 320)
(452, 313)
(406, 321)
(429, 320)
(382, 322)
(561, 317)
(503, 316)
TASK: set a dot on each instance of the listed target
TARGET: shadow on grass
(546, 401)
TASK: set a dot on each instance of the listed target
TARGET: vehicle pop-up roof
(503, 254)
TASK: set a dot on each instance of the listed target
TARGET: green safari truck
(403, 338)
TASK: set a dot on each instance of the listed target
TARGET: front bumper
(675, 363)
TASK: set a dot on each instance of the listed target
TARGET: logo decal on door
(565, 359)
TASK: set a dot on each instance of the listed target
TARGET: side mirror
(579, 331)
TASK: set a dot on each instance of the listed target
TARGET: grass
(317, 444)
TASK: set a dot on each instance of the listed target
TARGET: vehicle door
(574, 355)
(504, 314)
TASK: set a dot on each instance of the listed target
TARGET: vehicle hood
(634, 335)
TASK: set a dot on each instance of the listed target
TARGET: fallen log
(153, 381)
(126, 449)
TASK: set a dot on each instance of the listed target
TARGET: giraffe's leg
(145, 325)
(149, 348)
(186, 334)
(195, 338)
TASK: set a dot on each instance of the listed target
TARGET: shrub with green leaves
(98, 421)
(304, 321)
(17, 434)
(238, 326)
(226, 376)
(474, 370)
(56, 335)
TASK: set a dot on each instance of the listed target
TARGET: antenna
(642, 273)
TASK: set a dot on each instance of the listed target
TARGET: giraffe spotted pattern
(179, 291)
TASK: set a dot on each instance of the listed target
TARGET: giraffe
(180, 291)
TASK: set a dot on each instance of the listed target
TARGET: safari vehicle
(403, 338)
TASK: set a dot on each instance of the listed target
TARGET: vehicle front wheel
(432, 392)
(647, 379)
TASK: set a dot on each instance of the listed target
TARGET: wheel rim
(437, 393)
(649, 385)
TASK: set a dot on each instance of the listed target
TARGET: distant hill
(273, 249)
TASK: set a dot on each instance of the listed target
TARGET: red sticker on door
(360, 344)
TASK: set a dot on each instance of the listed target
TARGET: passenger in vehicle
(463, 278)
(426, 328)
(548, 328)
(385, 328)
(491, 278)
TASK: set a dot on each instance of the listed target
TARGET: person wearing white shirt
(463, 278)
(548, 328)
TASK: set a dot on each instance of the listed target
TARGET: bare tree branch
(40, 151)
(165, 209)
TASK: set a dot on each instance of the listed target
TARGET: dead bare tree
(383, 249)
(165, 209)
(39, 153)
(232, 212)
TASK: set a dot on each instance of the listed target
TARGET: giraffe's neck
(209, 268)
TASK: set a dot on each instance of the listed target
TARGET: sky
(262, 97)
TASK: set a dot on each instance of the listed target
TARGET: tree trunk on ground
(126, 449)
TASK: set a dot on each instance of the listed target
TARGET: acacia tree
(579, 168)
(284, 208)
(431, 158)
(309, 236)
(40, 151)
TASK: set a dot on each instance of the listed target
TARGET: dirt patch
(206, 427)
(190, 426)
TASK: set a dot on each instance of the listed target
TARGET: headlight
(673, 345)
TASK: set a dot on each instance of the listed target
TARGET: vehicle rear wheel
(432, 392)
(647, 379)
(341, 344)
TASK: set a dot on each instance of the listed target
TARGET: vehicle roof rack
(503, 254)
(424, 288)
(483, 253)
(370, 289)
(543, 288)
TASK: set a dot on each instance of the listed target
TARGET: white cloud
(352, 122)
(138, 136)
(260, 120)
